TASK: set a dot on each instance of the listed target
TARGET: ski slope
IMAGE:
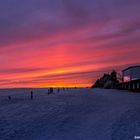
(72, 114)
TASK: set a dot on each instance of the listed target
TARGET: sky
(60, 43)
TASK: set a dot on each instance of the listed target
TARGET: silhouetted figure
(51, 90)
(48, 91)
(9, 97)
(31, 95)
(58, 90)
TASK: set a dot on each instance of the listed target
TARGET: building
(131, 73)
(131, 79)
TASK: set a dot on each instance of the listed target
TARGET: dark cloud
(22, 20)
(19, 70)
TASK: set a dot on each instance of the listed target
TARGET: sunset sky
(66, 42)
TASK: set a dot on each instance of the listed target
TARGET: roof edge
(130, 67)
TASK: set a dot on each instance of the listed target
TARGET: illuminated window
(126, 78)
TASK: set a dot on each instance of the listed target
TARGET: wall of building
(131, 74)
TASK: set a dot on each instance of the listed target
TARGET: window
(126, 78)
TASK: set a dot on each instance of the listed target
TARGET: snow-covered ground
(74, 114)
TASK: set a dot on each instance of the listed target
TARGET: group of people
(50, 91)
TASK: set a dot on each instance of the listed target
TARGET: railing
(133, 85)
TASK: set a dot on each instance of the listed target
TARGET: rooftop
(131, 67)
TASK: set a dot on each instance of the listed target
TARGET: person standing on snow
(31, 95)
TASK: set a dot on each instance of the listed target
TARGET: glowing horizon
(66, 43)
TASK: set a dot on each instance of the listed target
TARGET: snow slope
(74, 114)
